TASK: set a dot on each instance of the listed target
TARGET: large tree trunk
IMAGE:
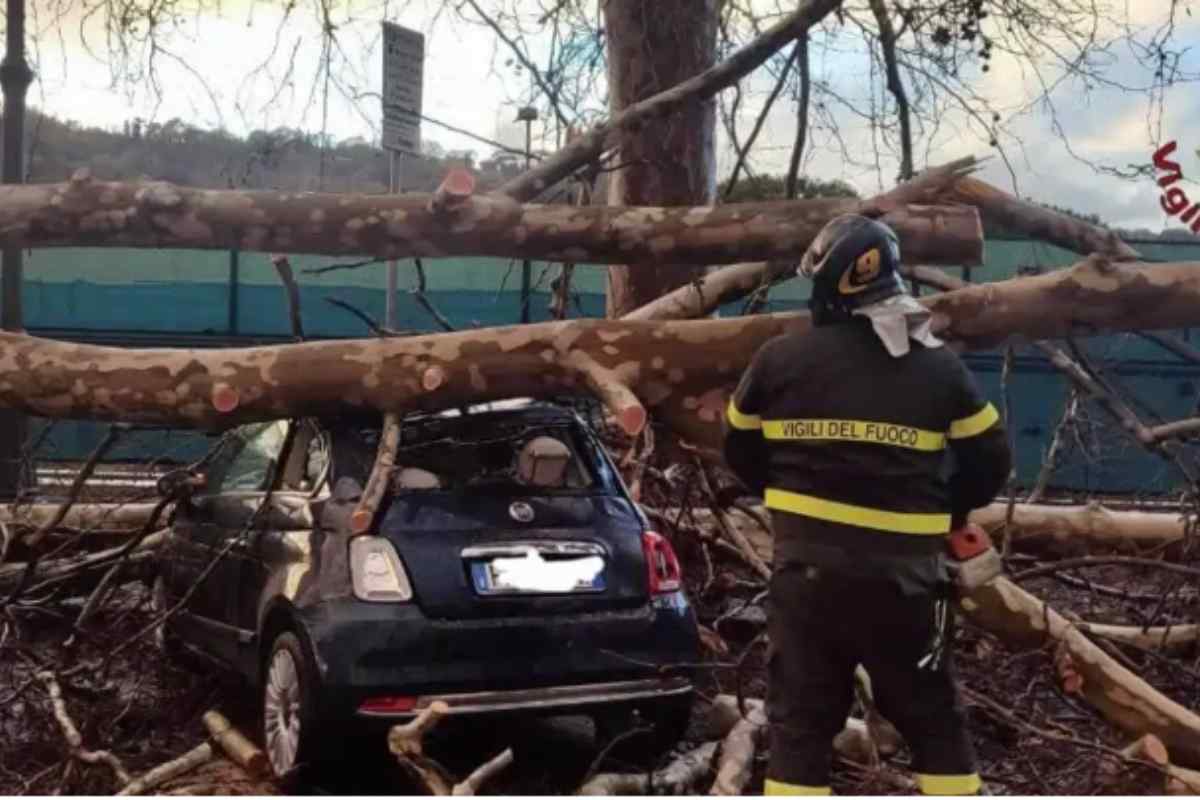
(945, 184)
(682, 370)
(591, 146)
(955, 229)
(1079, 528)
(668, 161)
(87, 212)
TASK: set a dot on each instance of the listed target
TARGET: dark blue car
(508, 570)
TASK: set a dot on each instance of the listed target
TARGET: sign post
(403, 83)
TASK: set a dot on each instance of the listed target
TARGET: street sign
(403, 78)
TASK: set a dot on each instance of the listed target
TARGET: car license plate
(535, 575)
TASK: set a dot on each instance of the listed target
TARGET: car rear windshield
(503, 454)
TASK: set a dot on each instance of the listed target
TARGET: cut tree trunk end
(240, 750)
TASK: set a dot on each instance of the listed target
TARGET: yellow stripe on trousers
(949, 784)
(795, 789)
(861, 516)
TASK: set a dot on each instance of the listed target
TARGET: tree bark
(78, 576)
(168, 771)
(949, 235)
(1038, 222)
(1163, 637)
(1076, 528)
(737, 754)
(669, 161)
(89, 213)
(674, 779)
(697, 87)
(91, 517)
(240, 750)
(1021, 619)
(681, 370)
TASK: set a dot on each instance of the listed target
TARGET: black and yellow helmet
(853, 262)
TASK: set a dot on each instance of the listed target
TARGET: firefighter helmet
(853, 262)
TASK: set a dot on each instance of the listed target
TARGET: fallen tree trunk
(1082, 527)
(1019, 618)
(683, 370)
(1161, 637)
(918, 227)
(1036, 221)
(97, 517)
(737, 753)
(169, 770)
(912, 223)
(674, 779)
(75, 576)
(240, 750)
(90, 213)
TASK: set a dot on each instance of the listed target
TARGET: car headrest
(416, 478)
(543, 462)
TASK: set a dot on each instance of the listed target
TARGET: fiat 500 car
(506, 570)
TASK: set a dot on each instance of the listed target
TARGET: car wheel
(287, 698)
(164, 639)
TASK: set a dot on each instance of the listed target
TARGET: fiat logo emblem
(521, 512)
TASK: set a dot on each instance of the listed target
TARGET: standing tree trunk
(670, 160)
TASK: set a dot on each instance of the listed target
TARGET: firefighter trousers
(821, 626)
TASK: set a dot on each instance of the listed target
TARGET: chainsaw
(973, 559)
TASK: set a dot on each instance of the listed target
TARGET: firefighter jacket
(866, 461)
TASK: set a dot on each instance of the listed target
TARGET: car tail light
(376, 572)
(388, 705)
(661, 564)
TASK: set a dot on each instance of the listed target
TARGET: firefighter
(869, 441)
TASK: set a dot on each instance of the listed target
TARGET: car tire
(289, 724)
(668, 721)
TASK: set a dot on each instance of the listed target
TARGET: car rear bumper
(365, 650)
(548, 698)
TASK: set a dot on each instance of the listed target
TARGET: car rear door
(215, 524)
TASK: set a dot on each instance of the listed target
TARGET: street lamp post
(528, 115)
(15, 77)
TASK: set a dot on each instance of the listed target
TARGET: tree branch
(589, 147)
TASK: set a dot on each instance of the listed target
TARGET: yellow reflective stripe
(975, 424)
(854, 430)
(743, 422)
(949, 784)
(795, 789)
(863, 517)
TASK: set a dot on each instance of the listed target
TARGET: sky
(242, 65)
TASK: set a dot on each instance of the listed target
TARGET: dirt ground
(1032, 738)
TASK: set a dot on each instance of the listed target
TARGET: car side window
(317, 459)
(247, 457)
